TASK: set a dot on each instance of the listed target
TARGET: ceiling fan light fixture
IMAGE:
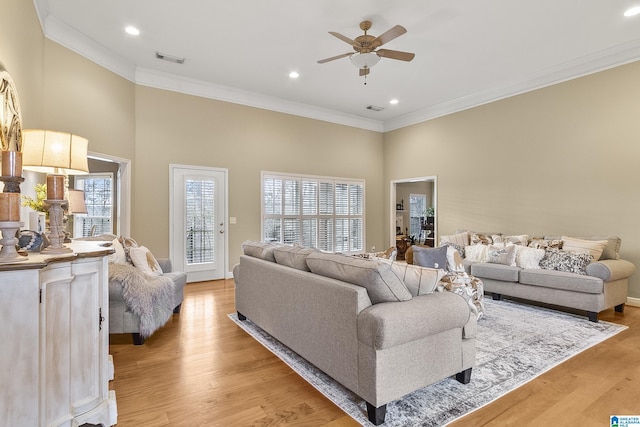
(364, 60)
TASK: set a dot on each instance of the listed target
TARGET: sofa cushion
(293, 256)
(500, 254)
(430, 257)
(505, 273)
(259, 250)
(569, 262)
(591, 247)
(381, 283)
(562, 280)
(418, 280)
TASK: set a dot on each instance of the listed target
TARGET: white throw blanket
(149, 297)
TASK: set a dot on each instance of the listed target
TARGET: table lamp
(58, 154)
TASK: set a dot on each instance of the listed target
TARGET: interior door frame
(123, 214)
(225, 172)
(392, 205)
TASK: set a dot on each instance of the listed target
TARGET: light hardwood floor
(202, 370)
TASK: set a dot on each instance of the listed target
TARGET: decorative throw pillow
(430, 257)
(461, 239)
(501, 254)
(476, 253)
(127, 243)
(527, 257)
(480, 238)
(144, 261)
(520, 239)
(376, 276)
(455, 246)
(591, 247)
(570, 262)
(118, 257)
(293, 256)
(539, 243)
(419, 280)
(612, 250)
(454, 260)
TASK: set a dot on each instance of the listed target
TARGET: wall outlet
(373, 248)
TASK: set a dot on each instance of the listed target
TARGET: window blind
(320, 212)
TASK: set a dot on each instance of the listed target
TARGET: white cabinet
(54, 362)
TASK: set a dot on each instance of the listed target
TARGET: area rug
(515, 344)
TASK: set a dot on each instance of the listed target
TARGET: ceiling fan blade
(383, 38)
(344, 38)
(395, 54)
(364, 71)
(322, 61)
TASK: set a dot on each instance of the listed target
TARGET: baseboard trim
(633, 302)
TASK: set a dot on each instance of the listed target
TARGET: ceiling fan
(366, 46)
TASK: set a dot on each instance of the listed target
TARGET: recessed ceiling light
(393, 101)
(632, 11)
(132, 30)
(294, 75)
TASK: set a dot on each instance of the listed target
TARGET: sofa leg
(464, 377)
(619, 308)
(496, 297)
(177, 309)
(137, 339)
(376, 415)
(593, 316)
(241, 316)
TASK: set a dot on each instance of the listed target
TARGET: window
(417, 207)
(319, 212)
(200, 220)
(98, 196)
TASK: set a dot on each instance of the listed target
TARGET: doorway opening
(400, 210)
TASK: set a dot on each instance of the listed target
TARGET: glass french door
(198, 222)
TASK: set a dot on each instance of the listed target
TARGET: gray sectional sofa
(601, 285)
(381, 341)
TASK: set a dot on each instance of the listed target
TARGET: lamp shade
(77, 204)
(365, 60)
(48, 151)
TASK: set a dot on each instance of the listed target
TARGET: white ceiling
(468, 52)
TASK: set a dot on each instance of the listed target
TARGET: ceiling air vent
(169, 58)
(374, 108)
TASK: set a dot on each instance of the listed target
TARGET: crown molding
(175, 83)
(609, 58)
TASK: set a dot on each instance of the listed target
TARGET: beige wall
(560, 160)
(173, 128)
(22, 54)
(84, 98)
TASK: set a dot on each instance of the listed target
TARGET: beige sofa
(379, 351)
(601, 285)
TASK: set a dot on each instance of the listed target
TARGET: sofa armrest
(390, 324)
(610, 270)
(165, 265)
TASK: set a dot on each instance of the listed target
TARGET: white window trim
(96, 175)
